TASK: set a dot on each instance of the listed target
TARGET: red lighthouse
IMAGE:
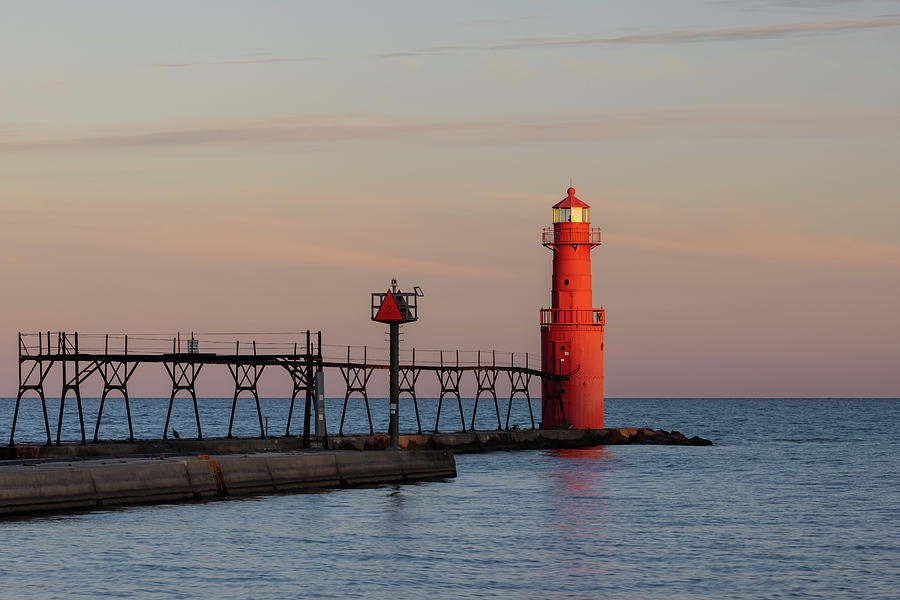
(572, 329)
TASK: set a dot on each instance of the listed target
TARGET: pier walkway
(114, 359)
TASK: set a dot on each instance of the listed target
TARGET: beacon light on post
(395, 307)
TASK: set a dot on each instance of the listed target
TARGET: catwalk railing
(572, 316)
(553, 235)
(114, 358)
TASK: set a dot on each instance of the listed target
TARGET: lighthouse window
(565, 215)
(565, 282)
(576, 214)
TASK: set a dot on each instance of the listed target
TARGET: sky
(264, 166)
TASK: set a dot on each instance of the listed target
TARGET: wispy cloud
(676, 36)
(501, 21)
(805, 5)
(253, 61)
(758, 232)
(769, 246)
(9, 129)
(593, 127)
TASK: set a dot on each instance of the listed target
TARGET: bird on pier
(175, 434)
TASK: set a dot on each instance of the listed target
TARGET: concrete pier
(34, 486)
(37, 478)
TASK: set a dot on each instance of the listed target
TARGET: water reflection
(578, 472)
(580, 509)
(396, 503)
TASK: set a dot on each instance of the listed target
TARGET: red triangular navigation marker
(389, 312)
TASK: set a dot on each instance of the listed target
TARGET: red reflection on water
(580, 511)
(580, 471)
(581, 453)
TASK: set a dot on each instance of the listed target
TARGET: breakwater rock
(667, 438)
(523, 439)
(470, 441)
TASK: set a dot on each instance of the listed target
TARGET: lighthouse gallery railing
(571, 316)
(569, 236)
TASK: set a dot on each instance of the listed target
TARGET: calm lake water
(796, 499)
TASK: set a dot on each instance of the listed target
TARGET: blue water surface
(796, 499)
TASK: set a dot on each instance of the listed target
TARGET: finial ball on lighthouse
(571, 191)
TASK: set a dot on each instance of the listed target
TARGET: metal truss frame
(115, 375)
(356, 378)
(518, 383)
(246, 379)
(553, 399)
(184, 379)
(31, 379)
(408, 378)
(487, 384)
(449, 378)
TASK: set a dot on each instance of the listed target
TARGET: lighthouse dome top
(571, 210)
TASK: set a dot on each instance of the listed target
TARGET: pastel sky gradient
(263, 166)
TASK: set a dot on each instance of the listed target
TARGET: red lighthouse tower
(572, 329)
